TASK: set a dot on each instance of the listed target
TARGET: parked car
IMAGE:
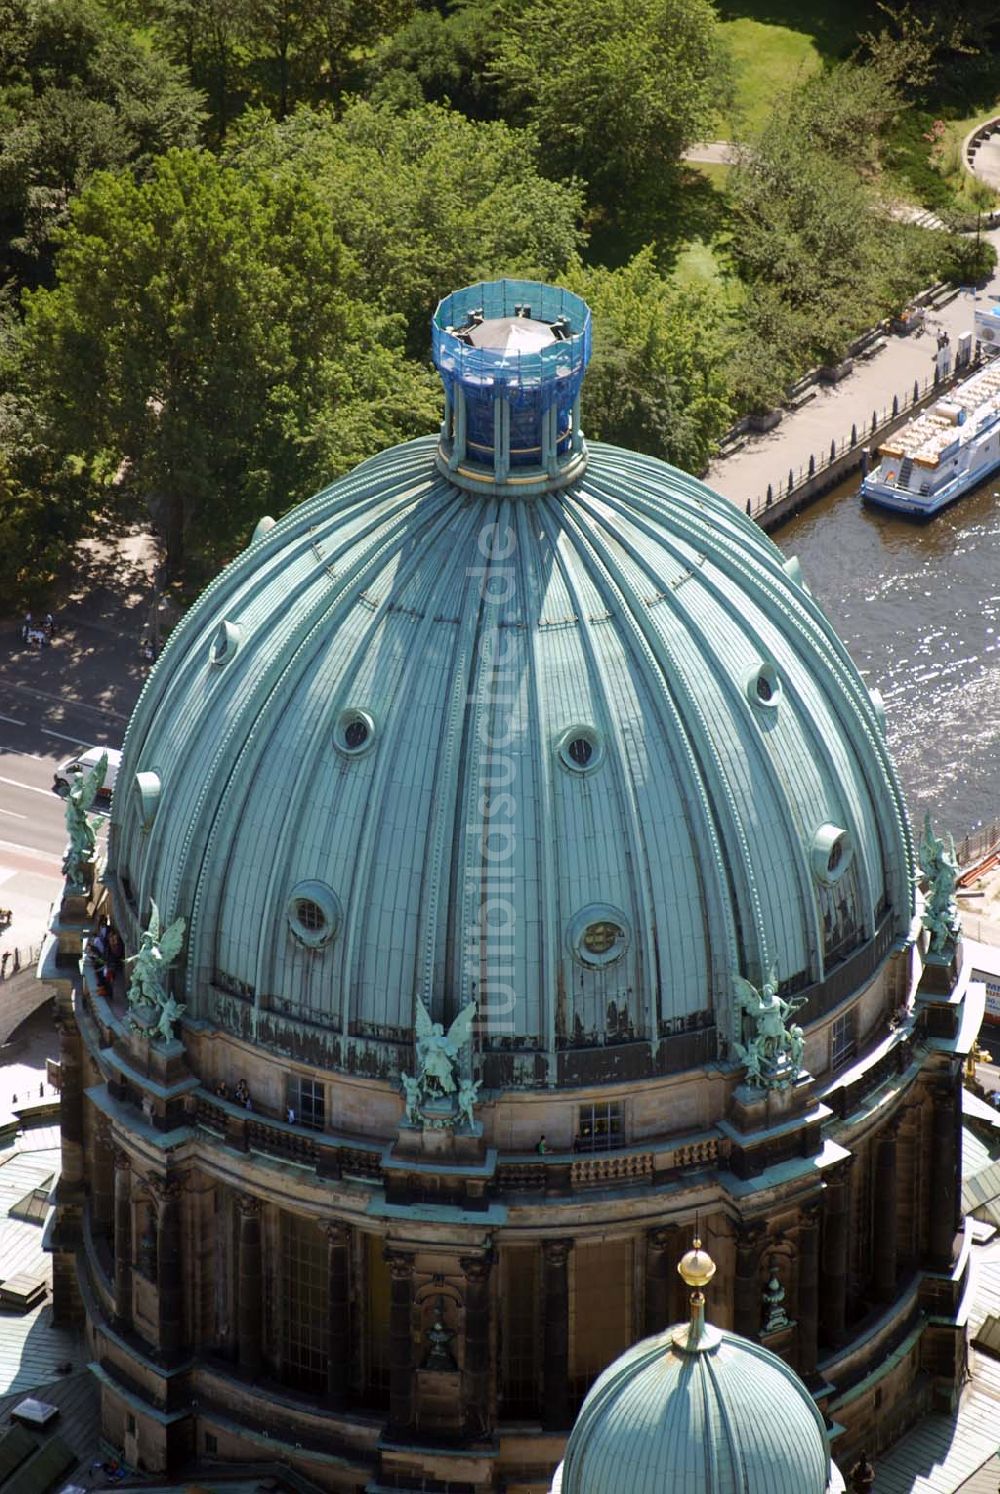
(82, 763)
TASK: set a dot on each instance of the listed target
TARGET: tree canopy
(428, 200)
(617, 89)
(205, 348)
(79, 94)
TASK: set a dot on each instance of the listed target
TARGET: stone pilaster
(102, 1181)
(807, 1305)
(169, 1263)
(833, 1257)
(400, 1341)
(123, 1239)
(746, 1285)
(249, 1306)
(885, 1221)
(338, 1244)
(476, 1270)
(663, 1251)
(945, 1164)
(555, 1353)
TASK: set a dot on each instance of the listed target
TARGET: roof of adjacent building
(581, 757)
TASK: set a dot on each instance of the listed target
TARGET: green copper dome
(729, 1418)
(581, 755)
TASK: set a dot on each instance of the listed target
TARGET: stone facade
(384, 1308)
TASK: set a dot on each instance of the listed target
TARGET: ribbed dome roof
(585, 776)
(730, 1419)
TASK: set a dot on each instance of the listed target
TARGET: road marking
(13, 720)
(29, 786)
(20, 752)
(13, 814)
(77, 741)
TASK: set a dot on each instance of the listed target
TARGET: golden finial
(696, 1268)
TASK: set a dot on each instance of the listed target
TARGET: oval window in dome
(147, 788)
(313, 914)
(831, 853)
(763, 687)
(354, 732)
(598, 935)
(225, 642)
(580, 749)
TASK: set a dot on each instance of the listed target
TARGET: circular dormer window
(831, 853)
(580, 749)
(354, 732)
(225, 643)
(313, 914)
(763, 687)
(598, 936)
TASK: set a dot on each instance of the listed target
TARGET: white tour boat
(943, 453)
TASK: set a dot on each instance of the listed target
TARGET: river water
(919, 609)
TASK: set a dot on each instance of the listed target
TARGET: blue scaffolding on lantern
(512, 355)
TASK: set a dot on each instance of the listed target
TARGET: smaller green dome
(728, 1418)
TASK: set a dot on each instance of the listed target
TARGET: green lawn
(767, 60)
(832, 25)
(777, 43)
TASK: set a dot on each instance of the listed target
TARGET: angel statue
(411, 1089)
(80, 798)
(939, 866)
(158, 948)
(468, 1094)
(170, 1011)
(773, 1039)
(438, 1051)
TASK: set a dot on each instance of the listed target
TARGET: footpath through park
(809, 431)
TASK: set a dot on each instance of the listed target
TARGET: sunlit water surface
(918, 607)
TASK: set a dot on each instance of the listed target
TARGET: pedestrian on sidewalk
(26, 627)
(49, 625)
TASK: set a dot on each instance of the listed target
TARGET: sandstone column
(249, 1313)
(886, 1215)
(555, 1352)
(169, 1266)
(476, 1270)
(123, 1239)
(338, 1243)
(833, 1257)
(400, 1340)
(807, 1306)
(663, 1251)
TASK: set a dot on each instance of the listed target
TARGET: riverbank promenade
(808, 431)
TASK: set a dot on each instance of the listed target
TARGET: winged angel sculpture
(81, 831)
(938, 864)
(773, 1050)
(158, 948)
(438, 1055)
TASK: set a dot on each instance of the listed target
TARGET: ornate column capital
(248, 1205)
(749, 1231)
(663, 1237)
(476, 1268)
(123, 1162)
(810, 1214)
(165, 1190)
(556, 1252)
(337, 1233)
(400, 1263)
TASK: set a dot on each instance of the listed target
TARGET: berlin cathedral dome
(518, 881)
(578, 750)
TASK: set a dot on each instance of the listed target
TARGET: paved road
(37, 733)
(78, 692)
